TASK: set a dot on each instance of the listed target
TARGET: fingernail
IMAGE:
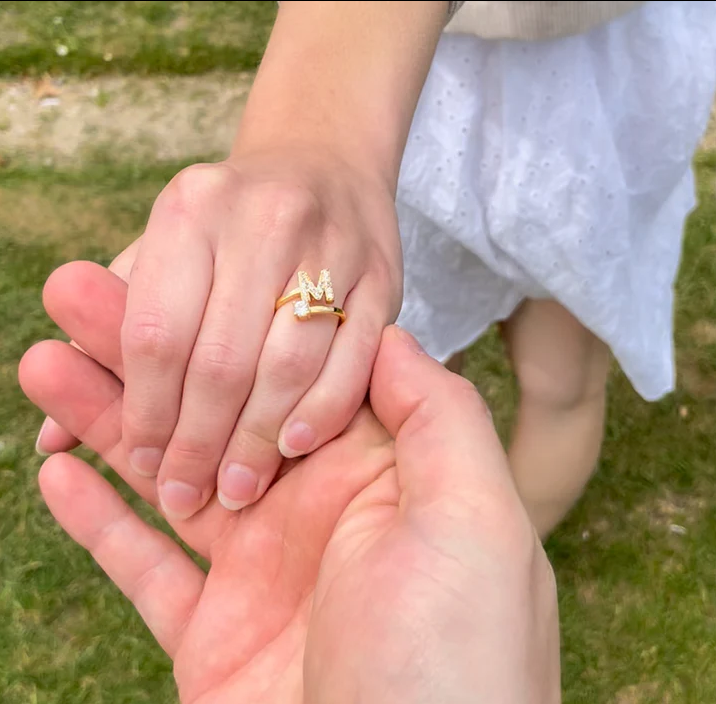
(296, 440)
(238, 486)
(38, 443)
(145, 461)
(409, 340)
(179, 500)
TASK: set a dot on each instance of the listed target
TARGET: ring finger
(291, 360)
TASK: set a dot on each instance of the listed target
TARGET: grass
(636, 560)
(146, 38)
(638, 600)
(61, 623)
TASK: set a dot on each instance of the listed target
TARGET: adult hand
(394, 564)
(53, 437)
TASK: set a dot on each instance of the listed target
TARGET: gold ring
(290, 296)
(307, 290)
(306, 313)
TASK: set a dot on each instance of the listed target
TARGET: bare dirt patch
(588, 593)
(167, 118)
(639, 694)
(696, 381)
(704, 332)
(673, 512)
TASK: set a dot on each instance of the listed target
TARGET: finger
(83, 397)
(335, 397)
(86, 400)
(123, 263)
(446, 445)
(54, 438)
(272, 560)
(87, 303)
(169, 288)
(218, 381)
(291, 359)
(76, 299)
(150, 569)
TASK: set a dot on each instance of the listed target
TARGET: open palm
(394, 564)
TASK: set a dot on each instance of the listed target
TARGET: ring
(302, 308)
(306, 313)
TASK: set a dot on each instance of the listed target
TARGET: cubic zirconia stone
(301, 309)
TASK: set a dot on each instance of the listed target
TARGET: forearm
(345, 76)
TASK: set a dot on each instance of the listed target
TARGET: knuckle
(258, 446)
(385, 272)
(365, 343)
(192, 451)
(192, 187)
(143, 428)
(147, 336)
(291, 368)
(218, 363)
(463, 391)
(283, 208)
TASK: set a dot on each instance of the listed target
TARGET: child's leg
(562, 370)
(456, 363)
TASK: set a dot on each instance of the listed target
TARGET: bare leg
(456, 363)
(562, 370)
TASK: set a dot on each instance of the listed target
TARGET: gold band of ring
(326, 310)
(305, 312)
(290, 296)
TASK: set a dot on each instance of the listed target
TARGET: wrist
(345, 79)
(319, 162)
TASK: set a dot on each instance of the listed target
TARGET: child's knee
(562, 387)
(557, 361)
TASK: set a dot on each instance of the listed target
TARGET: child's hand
(215, 379)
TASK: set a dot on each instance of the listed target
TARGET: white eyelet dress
(559, 169)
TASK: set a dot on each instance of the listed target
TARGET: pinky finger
(328, 407)
(53, 437)
(155, 574)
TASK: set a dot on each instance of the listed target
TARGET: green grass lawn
(91, 38)
(636, 562)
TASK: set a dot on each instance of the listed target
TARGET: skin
(218, 388)
(394, 563)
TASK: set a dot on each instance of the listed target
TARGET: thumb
(446, 445)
